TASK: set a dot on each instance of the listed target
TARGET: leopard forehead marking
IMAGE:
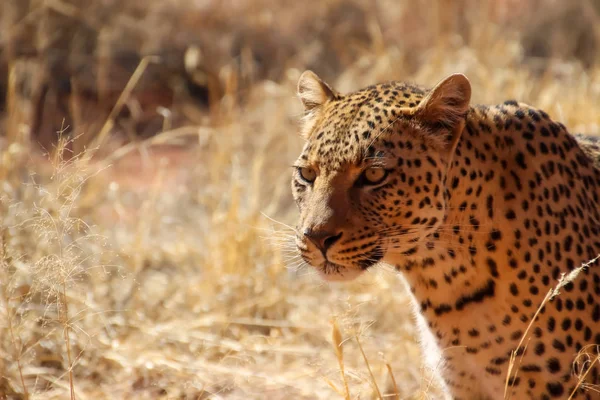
(347, 133)
(482, 210)
(351, 123)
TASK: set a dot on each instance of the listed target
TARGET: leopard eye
(308, 174)
(374, 175)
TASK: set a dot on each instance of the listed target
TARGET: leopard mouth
(372, 258)
(331, 267)
(333, 272)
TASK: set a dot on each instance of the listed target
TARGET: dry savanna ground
(147, 253)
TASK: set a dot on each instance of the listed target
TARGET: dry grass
(160, 272)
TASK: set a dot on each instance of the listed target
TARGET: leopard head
(370, 182)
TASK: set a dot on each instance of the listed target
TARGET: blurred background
(145, 210)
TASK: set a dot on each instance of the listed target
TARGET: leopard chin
(331, 272)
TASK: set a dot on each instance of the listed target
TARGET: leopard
(490, 214)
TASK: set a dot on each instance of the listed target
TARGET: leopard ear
(313, 91)
(445, 107)
(447, 103)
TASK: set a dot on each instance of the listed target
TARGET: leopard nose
(322, 239)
